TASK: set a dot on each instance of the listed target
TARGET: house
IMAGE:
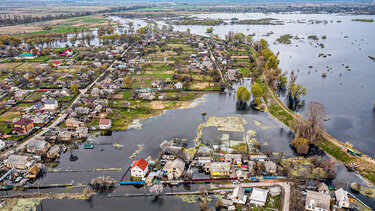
(139, 168)
(82, 132)
(26, 56)
(74, 123)
(105, 124)
(65, 136)
(50, 104)
(155, 84)
(238, 196)
(95, 92)
(178, 85)
(240, 174)
(23, 126)
(258, 197)
(174, 169)
(323, 188)
(258, 158)
(40, 119)
(53, 152)
(67, 52)
(204, 160)
(270, 167)
(275, 190)
(17, 161)
(2, 144)
(342, 198)
(37, 147)
(317, 201)
(33, 171)
(220, 169)
(233, 158)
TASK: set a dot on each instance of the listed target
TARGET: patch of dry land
(61, 25)
(231, 123)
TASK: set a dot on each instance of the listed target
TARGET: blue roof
(50, 101)
(25, 55)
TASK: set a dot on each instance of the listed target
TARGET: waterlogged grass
(282, 115)
(335, 151)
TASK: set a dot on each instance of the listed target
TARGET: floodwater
(175, 123)
(347, 98)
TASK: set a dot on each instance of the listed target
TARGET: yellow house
(220, 169)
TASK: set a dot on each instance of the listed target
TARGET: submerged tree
(243, 95)
(294, 91)
(257, 92)
(156, 189)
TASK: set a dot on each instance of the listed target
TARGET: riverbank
(329, 144)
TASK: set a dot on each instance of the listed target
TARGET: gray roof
(55, 149)
(259, 195)
(50, 101)
(220, 167)
(17, 160)
(317, 199)
(177, 163)
(238, 192)
(36, 144)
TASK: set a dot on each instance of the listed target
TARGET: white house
(2, 144)
(238, 196)
(258, 197)
(317, 201)
(50, 104)
(178, 85)
(139, 168)
(105, 124)
(342, 198)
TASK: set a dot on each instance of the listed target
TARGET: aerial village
(54, 99)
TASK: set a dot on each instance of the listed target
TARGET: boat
(88, 146)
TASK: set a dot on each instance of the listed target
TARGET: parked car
(256, 180)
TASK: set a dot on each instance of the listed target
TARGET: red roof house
(139, 168)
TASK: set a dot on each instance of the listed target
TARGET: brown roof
(104, 122)
(23, 122)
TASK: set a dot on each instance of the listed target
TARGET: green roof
(26, 55)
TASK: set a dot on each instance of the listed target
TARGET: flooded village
(168, 119)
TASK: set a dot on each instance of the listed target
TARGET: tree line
(11, 20)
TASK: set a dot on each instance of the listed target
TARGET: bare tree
(315, 116)
(156, 189)
(164, 145)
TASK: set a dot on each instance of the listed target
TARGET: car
(18, 179)
(236, 182)
(256, 180)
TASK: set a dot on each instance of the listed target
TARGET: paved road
(284, 185)
(63, 116)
